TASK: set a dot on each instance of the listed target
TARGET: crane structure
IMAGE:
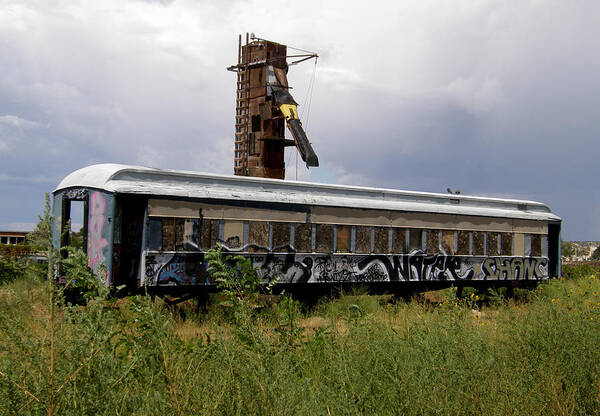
(264, 106)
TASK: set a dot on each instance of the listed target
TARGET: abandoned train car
(150, 228)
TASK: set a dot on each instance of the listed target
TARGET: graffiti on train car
(97, 243)
(176, 269)
(188, 268)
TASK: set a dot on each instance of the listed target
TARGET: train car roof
(124, 179)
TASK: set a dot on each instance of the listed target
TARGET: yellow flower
(476, 297)
(472, 294)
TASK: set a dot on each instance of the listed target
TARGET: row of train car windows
(180, 234)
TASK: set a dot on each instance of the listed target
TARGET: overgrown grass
(356, 354)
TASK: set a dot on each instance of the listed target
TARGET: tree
(596, 254)
(567, 248)
(40, 239)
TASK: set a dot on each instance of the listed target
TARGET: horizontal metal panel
(188, 209)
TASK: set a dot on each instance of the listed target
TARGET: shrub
(580, 271)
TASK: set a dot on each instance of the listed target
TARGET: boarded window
(381, 240)
(448, 242)
(433, 241)
(536, 245)
(398, 240)
(464, 243)
(324, 238)
(281, 235)
(492, 244)
(258, 235)
(209, 233)
(303, 237)
(416, 239)
(233, 234)
(363, 240)
(478, 243)
(170, 234)
(506, 244)
(343, 238)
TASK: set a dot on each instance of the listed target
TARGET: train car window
(343, 238)
(448, 242)
(536, 245)
(209, 233)
(258, 236)
(281, 235)
(506, 240)
(324, 238)
(544, 239)
(478, 243)
(173, 234)
(381, 241)
(363, 240)
(433, 241)
(169, 233)
(154, 234)
(464, 243)
(303, 237)
(398, 240)
(492, 244)
(521, 244)
(233, 234)
(416, 239)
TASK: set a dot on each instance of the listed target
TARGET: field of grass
(357, 354)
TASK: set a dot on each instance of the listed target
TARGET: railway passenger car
(150, 228)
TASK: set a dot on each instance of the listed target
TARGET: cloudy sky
(497, 98)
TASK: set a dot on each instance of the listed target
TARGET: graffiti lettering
(164, 268)
(516, 268)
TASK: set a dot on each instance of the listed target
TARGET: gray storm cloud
(491, 97)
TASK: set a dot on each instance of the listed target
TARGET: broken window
(363, 240)
(416, 239)
(258, 235)
(506, 244)
(173, 234)
(281, 235)
(433, 241)
(478, 243)
(209, 233)
(381, 240)
(233, 234)
(464, 243)
(536, 245)
(492, 244)
(448, 242)
(324, 238)
(303, 237)
(398, 240)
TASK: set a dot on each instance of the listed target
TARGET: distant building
(13, 237)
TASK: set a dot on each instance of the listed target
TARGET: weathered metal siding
(101, 233)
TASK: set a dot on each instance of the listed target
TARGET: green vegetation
(596, 254)
(567, 248)
(356, 354)
(252, 353)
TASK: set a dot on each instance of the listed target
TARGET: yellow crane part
(289, 111)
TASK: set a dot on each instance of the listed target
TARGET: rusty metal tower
(264, 106)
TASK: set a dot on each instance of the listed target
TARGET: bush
(580, 271)
(11, 269)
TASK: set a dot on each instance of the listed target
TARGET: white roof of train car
(164, 182)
